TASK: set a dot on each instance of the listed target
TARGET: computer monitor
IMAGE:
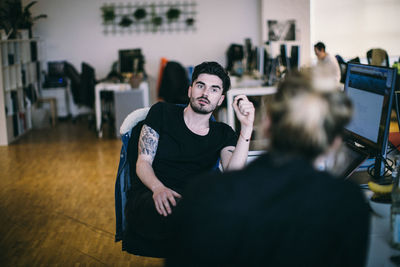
(284, 57)
(131, 61)
(371, 90)
(294, 57)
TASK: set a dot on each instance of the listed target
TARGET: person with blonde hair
(280, 210)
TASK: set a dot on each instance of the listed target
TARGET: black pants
(143, 218)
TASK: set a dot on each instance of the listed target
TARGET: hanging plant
(125, 22)
(140, 14)
(173, 14)
(108, 13)
(157, 21)
(13, 17)
(189, 21)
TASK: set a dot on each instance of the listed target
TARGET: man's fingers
(172, 200)
(166, 206)
(176, 194)
(158, 208)
(162, 208)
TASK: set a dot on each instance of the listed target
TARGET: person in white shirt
(327, 66)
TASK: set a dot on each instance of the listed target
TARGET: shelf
(19, 69)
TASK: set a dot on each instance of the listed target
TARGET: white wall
(351, 28)
(73, 31)
(299, 10)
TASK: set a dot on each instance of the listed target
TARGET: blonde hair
(305, 121)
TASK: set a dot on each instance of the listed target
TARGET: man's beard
(199, 108)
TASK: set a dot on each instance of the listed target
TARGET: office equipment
(371, 90)
(284, 58)
(294, 57)
(88, 83)
(131, 61)
(235, 55)
(55, 74)
(118, 87)
(346, 160)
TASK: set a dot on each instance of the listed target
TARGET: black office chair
(343, 68)
(378, 57)
(75, 79)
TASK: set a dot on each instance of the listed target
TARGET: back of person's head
(320, 46)
(305, 121)
(212, 68)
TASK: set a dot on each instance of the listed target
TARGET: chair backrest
(75, 78)
(378, 57)
(88, 83)
(132, 119)
(343, 68)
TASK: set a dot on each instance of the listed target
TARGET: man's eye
(200, 86)
(214, 90)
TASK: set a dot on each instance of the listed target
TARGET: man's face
(206, 93)
(319, 53)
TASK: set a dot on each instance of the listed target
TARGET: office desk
(379, 250)
(118, 88)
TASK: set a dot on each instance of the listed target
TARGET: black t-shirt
(181, 154)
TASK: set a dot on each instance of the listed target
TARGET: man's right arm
(148, 143)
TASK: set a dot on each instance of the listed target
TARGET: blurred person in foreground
(280, 211)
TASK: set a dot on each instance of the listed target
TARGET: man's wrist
(154, 187)
(246, 132)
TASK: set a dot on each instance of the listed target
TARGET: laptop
(347, 160)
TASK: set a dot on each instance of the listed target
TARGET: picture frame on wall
(281, 30)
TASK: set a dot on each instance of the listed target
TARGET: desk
(117, 87)
(379, 249)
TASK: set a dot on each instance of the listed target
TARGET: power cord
(388, 166)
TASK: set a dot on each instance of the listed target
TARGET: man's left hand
(244, 111)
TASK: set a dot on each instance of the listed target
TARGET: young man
(279, 211)
(327, 66)
(178, 143)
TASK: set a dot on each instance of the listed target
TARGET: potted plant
(14, 17)
(140, 13)
(125, 22)
(173, 14)
(108, 14)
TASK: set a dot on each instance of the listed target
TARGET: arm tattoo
(148, 141)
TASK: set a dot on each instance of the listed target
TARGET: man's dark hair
(213, 68)
(320, 46)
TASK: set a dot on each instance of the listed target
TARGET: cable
(388, 166)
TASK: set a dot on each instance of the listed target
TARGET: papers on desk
(114, 86)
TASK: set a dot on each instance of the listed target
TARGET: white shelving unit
(19, 79)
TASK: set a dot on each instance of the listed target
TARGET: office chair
(130, 132)
(343, 68)
(75, 81)
(174, 84)
(378, 57)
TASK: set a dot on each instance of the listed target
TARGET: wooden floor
(57, 200)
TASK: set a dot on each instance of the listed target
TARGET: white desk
(116, 87)
(230, 95)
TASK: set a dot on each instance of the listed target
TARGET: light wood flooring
(57, 200)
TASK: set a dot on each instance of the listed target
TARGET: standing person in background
(327, 65)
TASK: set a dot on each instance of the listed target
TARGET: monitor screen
(371, 90)
(131, 61)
